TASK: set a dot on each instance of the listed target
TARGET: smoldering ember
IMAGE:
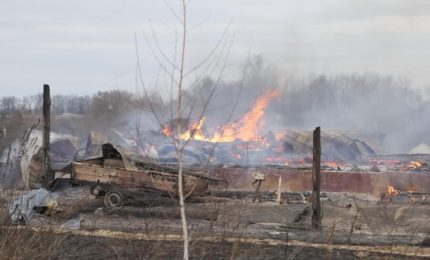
(270, 163)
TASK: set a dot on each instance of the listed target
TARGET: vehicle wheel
(113, 199)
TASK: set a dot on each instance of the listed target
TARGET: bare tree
(176, 73)
(179, 148)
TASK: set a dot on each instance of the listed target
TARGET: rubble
(21, 209)
(126, 181)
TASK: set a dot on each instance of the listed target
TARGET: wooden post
(316, 179)
(257, 195)
(258, 178)
(279, 190)
(46, 132)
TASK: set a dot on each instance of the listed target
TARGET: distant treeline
(114, 102)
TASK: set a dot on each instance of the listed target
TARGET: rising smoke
(360, 105)
(363, 104)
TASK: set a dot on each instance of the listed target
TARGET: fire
(194, 131)
(166, 130)
(332, 164)
(391, 190)
(246, 129)
(414, 165)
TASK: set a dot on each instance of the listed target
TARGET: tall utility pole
(316, 179)
(46, 132)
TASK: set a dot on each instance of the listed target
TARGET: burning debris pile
(416, 163)
(243, 143)
(247, 129)
(404, 197)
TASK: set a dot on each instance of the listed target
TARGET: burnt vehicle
(116, 174)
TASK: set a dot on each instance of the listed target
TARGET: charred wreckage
(118, 164)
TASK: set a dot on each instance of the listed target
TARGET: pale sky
(80, 47)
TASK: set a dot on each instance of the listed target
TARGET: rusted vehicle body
(114, 174)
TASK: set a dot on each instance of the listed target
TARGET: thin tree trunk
(179, 147)
(182, 206)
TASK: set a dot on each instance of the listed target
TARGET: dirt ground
(354, 226)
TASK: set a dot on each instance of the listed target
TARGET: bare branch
(154, 37)
(172, 75)
(199, 23)
(143, 85)
(215, 86)
(160, 63)
(213, 67)
(203, 61)
(173, 12)
(242, 83)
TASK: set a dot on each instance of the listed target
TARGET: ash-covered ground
(353, 225)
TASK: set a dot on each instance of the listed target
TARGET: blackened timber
(257, 194)
(46, 132)
(316, 179)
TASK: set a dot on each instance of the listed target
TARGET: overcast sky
(80, 47)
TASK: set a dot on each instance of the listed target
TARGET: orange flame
(332, 164)
(194, 131)
(391, 190)
(414, 164)
(166, 130)
(246, 129)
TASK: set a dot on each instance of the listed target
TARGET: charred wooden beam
(316, 179)
(46, 132)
